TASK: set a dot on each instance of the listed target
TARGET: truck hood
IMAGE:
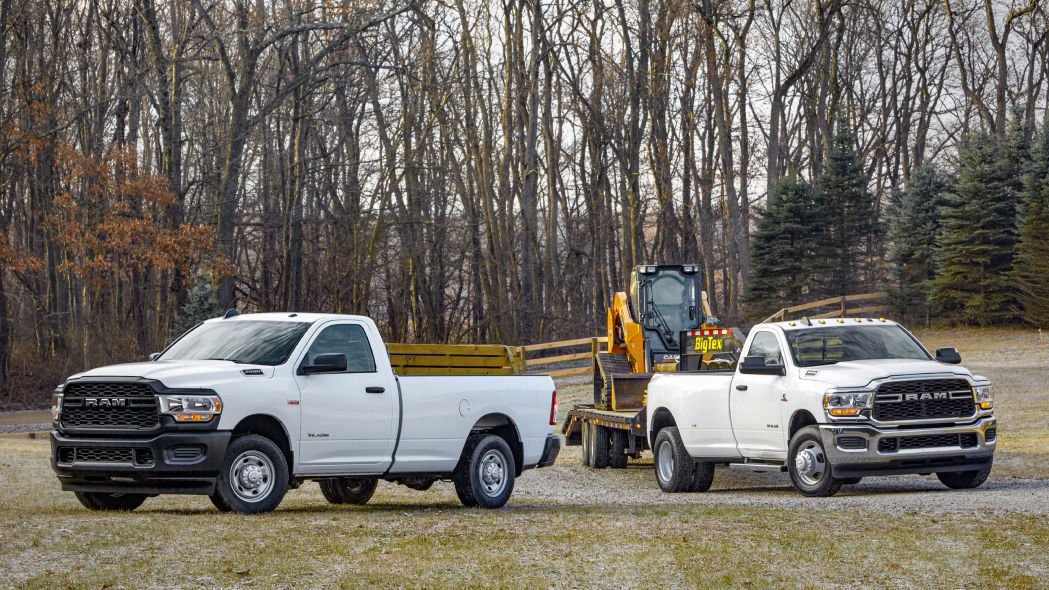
(860, 373)
(176, 374)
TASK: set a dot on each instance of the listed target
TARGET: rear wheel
(110, 501)
(584, 435)
(617, 460)
(964, 480)
(810, 469)
(349, 490)
(674, 467)
(484, 476)
(702, 477)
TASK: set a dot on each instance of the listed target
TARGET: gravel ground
(571, 484)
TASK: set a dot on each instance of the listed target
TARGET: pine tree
(1032, 252)
(852, 229)
(783, 247)
(974, 281)
(201, 304)
(914, 229)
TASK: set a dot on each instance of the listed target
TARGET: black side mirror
(332, 362)
(948, 355)
(154, 356)
(755, 365)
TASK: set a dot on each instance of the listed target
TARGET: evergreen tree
(1032, 252)
(783, 247)
(974, 281)
(201, 304)
(914, 229)
(852, 229)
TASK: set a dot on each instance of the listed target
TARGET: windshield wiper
(225, 359)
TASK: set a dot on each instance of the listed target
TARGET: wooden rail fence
(558, 354)
(841, 307)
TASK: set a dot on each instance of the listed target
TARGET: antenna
(805, 320)
(230, 313)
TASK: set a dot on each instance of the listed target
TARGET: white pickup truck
(829, 401)
(243, 408)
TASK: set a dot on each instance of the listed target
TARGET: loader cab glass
(665, 299)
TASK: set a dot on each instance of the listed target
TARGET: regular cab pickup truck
(243, 408)
(830, 402)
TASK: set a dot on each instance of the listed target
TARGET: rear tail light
(553, 409)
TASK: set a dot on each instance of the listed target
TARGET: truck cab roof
(307, 318)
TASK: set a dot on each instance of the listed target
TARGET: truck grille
(70, 455)
(924, 400)
(117, 406)
(929, 441)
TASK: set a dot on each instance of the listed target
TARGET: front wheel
(810, 469)
(964, 480)
(484, 476)
(254, 476)
(349, 490)
(110, 501)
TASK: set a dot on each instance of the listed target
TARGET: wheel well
(660, 420)
(271, 428)
(799, 420)
(502, 426)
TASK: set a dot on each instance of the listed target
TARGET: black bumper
(550, 450)
(168, 463)
(974, 461)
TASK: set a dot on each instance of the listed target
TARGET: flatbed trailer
(608, 437)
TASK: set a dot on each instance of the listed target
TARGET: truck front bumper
(170, 463)
(859, 450)
(550, 450)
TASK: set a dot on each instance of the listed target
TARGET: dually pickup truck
(244, 407)
(830, 402)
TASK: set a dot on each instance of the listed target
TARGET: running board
(759, 467)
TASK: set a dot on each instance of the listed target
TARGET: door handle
(741, 387)
(374, 389)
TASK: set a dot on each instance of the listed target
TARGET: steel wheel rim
(251, 476)
(810, 463)
(492, 473)
(665, 461)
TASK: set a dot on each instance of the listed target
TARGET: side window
(349, 339)
(765, 345)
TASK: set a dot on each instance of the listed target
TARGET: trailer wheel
(110, 501)
(484, 476)
(810, 471)
(702, 477)
(964, 480)
(619, 446)
(584, 435)
(674, 467)
(598, 447)
(349, 490)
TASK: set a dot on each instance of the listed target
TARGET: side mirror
(154, 356)
(755, 365)
(948, 355)
(332, 362)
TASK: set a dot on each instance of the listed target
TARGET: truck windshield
(834, 344)
(240, 341)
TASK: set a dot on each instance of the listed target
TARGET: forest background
(474, 171)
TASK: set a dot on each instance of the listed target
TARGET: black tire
(599, 442)
(219, 503)
(254, 476)
(349, 490)
(484, 476)
(702, 477)
(617, 460)
(584, 435)
(964, 480)
(420, 485)
(814, 477)
(116, 501)
(674, 467)
(851, 481)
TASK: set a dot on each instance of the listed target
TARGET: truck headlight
(56, 403)
(846, 403)
(985, 396)
(191, 408)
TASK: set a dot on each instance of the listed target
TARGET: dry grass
(422, 540)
